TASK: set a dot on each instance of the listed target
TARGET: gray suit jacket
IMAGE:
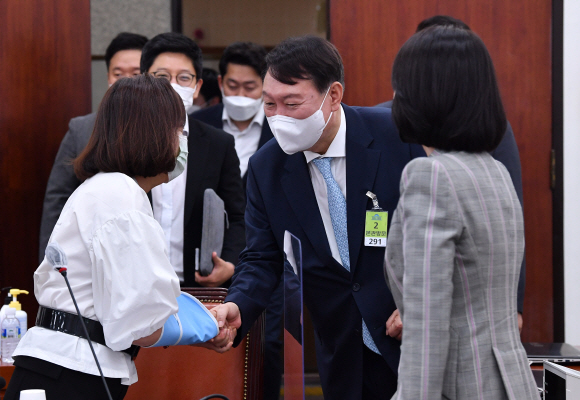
(453, 259)
(508, 154)
(62, 180)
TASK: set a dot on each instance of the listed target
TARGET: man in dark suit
(212, 164)
(507, 152)
(122, 60)
(313, 181)
(241, 112)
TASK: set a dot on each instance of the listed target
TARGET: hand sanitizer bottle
(20, 314)
(10, 335)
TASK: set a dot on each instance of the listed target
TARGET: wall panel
(46, 80)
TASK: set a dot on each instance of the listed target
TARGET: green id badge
(376, 228)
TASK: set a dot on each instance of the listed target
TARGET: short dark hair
(244, 53)
(442, 20)
(124, 41)
(135, 131)
(171, 42)
(306, 57)
(210, 87)
(446, 93)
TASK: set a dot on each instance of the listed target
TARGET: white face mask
(186, 94)
(241, 108)
(181, 160)
(294, 135)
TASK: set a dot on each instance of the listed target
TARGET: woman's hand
(395, 325)
(222, 271)
(227, 333)
(222, 342)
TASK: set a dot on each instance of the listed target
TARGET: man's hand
(520, 322)
(227, 315)
(395, 325)
(222, 271)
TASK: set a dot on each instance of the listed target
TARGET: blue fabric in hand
(192, 324)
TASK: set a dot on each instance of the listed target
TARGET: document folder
(212, 231)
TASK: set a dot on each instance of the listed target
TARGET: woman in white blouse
(117, 263)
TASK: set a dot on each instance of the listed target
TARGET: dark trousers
(379, 380)
(58, 382)
(273, 365)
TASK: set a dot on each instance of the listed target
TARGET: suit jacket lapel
(300, 194)
(361, 170)
(198, 143)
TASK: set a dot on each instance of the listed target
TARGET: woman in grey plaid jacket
(456, 242)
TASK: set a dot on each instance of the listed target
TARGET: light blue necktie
(337, 209)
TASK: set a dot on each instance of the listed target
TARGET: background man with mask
(241, 114)
(122, 59)
(212, 163)
(313, 182)
(210, 93)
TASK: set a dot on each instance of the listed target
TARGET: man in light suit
(507, 152)
(313, 182)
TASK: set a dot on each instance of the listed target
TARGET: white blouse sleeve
(134, 286)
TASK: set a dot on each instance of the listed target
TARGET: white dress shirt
(247, 141)
(168, 210)
(337, 151)
(119, 273)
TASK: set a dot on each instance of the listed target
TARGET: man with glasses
(213, 163)
(122, 59)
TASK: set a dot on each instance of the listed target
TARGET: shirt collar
(258, 119)
(186, 126)
(338, 146)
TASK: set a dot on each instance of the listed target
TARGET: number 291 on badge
(376, 228)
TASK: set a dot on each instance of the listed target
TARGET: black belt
(65, 322)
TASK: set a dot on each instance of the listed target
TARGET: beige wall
(109, 18)
(266, 22)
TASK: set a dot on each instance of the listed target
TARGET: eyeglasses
(183, 78)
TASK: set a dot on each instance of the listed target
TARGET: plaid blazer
(453, 259)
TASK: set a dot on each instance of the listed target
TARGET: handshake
(229, 320)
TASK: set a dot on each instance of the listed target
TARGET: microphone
(57, 258)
